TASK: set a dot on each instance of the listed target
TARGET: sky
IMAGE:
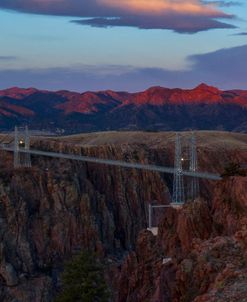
(122, 44)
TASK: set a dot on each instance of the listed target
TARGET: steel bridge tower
(22, 141)
(193, 189)
(178, 196)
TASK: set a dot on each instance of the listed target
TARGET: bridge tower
(22, 141)
(178, 197)
(193, 189)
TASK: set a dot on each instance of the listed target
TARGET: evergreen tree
(83, 280)
(234, 169)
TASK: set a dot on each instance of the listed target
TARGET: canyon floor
(59, 207)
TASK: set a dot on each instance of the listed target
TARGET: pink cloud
(179, 15)
(191, 7)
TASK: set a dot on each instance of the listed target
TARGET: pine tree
(83, 280)
(234, 169)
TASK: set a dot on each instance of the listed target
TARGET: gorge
(58, 207)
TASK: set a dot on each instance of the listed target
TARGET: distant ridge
(157, 108)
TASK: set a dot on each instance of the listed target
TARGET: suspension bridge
(19, 144)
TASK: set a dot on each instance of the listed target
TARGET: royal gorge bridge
(19, 144)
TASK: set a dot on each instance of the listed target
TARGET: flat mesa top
(219, 140)
(210, 139)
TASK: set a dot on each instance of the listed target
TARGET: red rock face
(85, 103)
(90, 102)
(163, 96)
(58, 208)
(207, 246)
(202, 94)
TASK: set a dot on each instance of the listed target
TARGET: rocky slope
(204, 108)
(199, 254)
(59, 207)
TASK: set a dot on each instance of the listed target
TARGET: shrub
(233, 169)
(83, 280)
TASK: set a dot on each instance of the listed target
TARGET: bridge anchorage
(22, 141)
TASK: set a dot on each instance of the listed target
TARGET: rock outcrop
(199, 254)
(57, 208)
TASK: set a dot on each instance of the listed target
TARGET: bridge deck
(118, 163)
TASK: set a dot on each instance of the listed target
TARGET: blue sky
(43, 48)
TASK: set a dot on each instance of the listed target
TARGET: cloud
(225, 68)
(240, 34)
(8, 58)
(160, 7)
(185, 24)
(179, 15)
(222, 3)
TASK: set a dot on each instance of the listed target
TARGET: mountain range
(155, 109)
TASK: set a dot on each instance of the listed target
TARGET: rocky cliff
(199, 254)
(59, 207)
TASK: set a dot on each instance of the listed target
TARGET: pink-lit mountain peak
(90, 102)
(205, 87)
(203, 107)
(18, 93)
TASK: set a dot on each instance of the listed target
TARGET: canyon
(203, 108)
(58, 207)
